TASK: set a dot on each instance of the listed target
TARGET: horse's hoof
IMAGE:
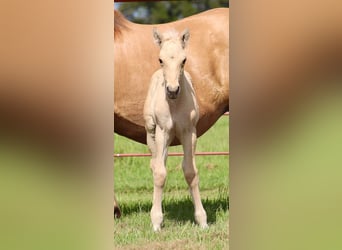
(156, 228)
(156, 219)
(201, 219)
(117, 212)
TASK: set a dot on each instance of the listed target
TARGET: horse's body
(136, 58)
(170, 111)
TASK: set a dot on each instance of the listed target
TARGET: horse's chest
(176, 117)
(164, 119)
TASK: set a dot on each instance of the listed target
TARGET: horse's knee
(159, 176)
(150, 126)
(191, 176)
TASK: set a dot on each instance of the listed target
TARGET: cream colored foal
(170, 111)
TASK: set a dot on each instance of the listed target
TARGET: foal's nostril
(173, 91)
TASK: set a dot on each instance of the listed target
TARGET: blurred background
(285, 181)
(165, 11)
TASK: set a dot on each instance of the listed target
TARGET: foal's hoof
(117, 212)
(204, 226)
(201, 219)
(157, 220)
(156, 228)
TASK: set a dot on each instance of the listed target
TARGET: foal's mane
(119, 23)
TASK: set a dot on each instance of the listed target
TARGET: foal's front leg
(191, 175)
(158, 161)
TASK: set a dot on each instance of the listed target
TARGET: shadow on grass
(181, 210)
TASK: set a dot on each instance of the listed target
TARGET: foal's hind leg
(159, 154)
(191, 175)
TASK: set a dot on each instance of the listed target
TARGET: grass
(134, 188)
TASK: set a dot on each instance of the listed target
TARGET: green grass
(134, 187)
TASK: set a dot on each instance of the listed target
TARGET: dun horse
(135, 60)
(171, 111)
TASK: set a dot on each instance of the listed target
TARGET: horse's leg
(191, 175)
(117, 212)
(158, 161)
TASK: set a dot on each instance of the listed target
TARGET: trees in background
(166, 11)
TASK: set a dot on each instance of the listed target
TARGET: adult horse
(171, 111)
(136, 58)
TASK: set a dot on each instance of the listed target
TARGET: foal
(171, 110)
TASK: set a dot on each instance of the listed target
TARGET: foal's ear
(185, 37)
(157, 37)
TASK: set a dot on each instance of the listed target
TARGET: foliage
(166, 11)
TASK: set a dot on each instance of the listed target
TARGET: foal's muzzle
(172, 93)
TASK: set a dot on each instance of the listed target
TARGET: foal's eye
(160, 61)
(184, 61)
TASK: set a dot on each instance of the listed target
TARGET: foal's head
(172, 58)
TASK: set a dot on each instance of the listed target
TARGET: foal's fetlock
(157, 220)
(201, 219)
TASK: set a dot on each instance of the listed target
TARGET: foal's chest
(177, 115)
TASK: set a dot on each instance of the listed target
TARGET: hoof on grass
(204, 226)
(117, 212)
